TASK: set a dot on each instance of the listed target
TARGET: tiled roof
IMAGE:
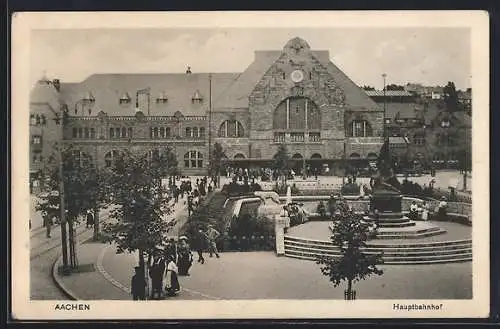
(405, 110)
(388, 93)
(45, 92)
(179, 89)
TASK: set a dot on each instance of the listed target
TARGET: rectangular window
(92, 133)
(297, 137)
(87, 133)
(37, 140)
(200, 163)
(111, 133)
(75, 132)
(186, 163)
(167, 132)
(314, 137)
(279, 137)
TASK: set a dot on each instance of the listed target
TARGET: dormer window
(197, 98)
(445, 123)
(89, 97)
(125, 99)
(162, 98)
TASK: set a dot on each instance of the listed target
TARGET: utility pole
(64, 241)
(96, 206)
(210, 124)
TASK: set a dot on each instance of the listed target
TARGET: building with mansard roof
(295, 96)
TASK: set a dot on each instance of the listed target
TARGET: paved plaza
(263, 275)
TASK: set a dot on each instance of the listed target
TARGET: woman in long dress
(425, 211)
(171, 280)
(185, 257)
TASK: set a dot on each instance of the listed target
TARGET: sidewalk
(90, 281)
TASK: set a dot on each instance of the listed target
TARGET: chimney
(188, 71)
(57, 84)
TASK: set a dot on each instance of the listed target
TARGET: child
(138, 285)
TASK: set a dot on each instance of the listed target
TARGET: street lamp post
(209, 124)
(385, 128)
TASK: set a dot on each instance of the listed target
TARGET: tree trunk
(465, 180)
(142, 265)
(349, 289)
(96, 223)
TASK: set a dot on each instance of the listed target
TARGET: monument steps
(402, 262)
(416, 253)
(411, 235)
(378, 245)
(395, 225)
(395, 253)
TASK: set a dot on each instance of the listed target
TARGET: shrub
(350, 189)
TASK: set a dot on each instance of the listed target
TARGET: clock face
(297, 76)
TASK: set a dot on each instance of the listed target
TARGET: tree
(451, 98)
(83, 189)
(216, 164)
(138, 218)
(350, 234)
(281, 160)
(365, 87)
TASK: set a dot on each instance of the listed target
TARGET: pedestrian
(442, 207)
(47, 222)
(413, 210)
(198, 243)
(185, 257)
(212, 235)
(425, 211)
(171, 280)
(138, 285)
(156, 271)
(90, 219)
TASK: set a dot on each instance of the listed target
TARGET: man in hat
(138, 285)
(198, 244)
(156, 273)
(212, 235)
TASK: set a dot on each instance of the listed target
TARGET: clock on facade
(297, 76)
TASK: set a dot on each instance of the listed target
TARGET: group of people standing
(170, 261)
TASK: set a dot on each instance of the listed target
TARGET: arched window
(111, 157)
(167, 132)
(87, 133)
(202, 132)
(359, 128)
(188, 132)
(297, 113)
(80, 132)
(111, 133)
(231, 129)
(75, 132)
(372, 155)
(124, 132)
(239, 156)
(155, 132)
(92, 133)
(195, 132)
(117, 132)
(297, 156)
(193, 159)
(354, 156)
(162, 132)
(130, 132)
(316, 156)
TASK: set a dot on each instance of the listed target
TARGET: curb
(57, 277)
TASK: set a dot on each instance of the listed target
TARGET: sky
(431, 56)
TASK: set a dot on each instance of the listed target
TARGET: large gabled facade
(295, 96)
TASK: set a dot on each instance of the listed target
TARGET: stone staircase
(408, 253)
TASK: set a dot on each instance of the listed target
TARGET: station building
(295, 96)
